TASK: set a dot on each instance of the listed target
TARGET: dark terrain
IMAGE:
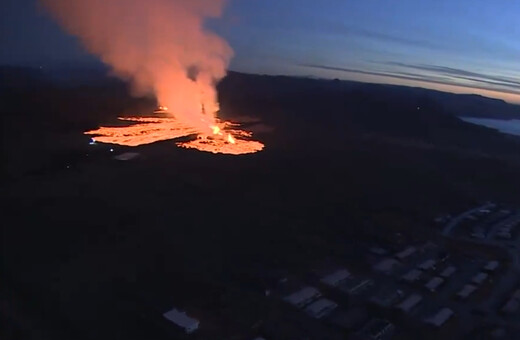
(89, 243)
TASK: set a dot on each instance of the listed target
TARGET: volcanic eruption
(163, 49)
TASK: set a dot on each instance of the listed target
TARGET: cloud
(455, 77)
(462, 74)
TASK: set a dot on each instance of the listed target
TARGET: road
(455, 221)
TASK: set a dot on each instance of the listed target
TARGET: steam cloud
(160, 45)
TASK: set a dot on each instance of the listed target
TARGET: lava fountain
(164, 49)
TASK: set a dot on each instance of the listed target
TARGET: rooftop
(440, 318)
(303, 296)
(410, 302)
(182, 320)
(448, 271)
(320, 308)
(335, 278)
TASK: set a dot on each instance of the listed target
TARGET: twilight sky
(468, 46)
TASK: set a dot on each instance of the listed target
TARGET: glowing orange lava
(146, 130)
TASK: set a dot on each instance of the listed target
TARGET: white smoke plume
(160, 45)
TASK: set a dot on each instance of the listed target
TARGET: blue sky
(470, 46)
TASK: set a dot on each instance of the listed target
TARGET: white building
(336, 278)
(386, 265)
(406, 253)
(448, 271)
(409, 303)
(182, 320)
(303, 296)
(440, 318)
(412, 275)
(466, 291)
(320, 308)
(491, 266)
(479, 278)
(428, 264)
(434, 283)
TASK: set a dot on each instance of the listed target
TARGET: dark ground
(86, 249)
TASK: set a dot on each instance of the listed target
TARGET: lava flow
(224, 137)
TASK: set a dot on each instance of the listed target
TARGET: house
(511, 306)
(412, 275)
(434, 283)
(428, 264)
(303, 296)
(356, 286)
(320, 308)
(440, 318)
(466, 291)
(386, 265)
(491, 266)
(448, 271)
(182, 320)
(335, 278)
(376, 329)
(479, 278)
(406, 253)
(410, 303)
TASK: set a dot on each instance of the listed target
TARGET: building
(376, 329)
(428, 264)
(448, 271)
(479, 278)
(466, 291)
(335, 278)
(386, 265)
(434, 283)
(409, 303)
(491, 266)
(440, 318)
(356, 286)
(406, 253)
(352, 318)
(303, 296)
(511, 306)
(182, 320)
(320, 308)
(412, 275)
(387, 298)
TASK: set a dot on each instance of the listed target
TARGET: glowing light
(216, 130)
(146, 130)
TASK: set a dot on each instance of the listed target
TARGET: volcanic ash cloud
(161, 46)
